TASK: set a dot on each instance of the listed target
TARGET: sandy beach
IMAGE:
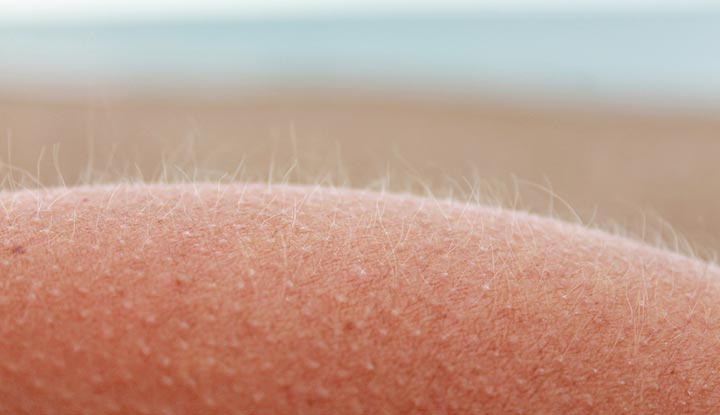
(654, 175)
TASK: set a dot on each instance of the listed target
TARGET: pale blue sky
(40, 10)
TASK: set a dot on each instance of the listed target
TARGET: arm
(250, 299)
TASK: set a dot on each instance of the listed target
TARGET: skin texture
(250, 299)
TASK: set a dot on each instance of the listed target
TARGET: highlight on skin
(278, 299)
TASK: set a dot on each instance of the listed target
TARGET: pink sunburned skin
(192, 299)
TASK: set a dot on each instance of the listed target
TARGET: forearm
(247, 299)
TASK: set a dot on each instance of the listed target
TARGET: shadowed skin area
(250, 299)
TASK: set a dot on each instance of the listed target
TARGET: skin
(250, 299)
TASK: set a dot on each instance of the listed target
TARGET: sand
(653, 174)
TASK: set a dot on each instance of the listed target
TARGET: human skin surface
(258, 299)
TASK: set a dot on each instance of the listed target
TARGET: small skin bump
(210, 401)
(165, 361)
(323, 392)
(107, 332)
(150, 319)
(144, 347)
(381, 340)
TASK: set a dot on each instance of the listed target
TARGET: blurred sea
(657, 57)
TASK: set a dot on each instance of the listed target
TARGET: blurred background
(606, 112)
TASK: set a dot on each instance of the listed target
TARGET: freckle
(181, 279)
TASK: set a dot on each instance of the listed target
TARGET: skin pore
(252, 299)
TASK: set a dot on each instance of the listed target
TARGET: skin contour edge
(251, 299)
